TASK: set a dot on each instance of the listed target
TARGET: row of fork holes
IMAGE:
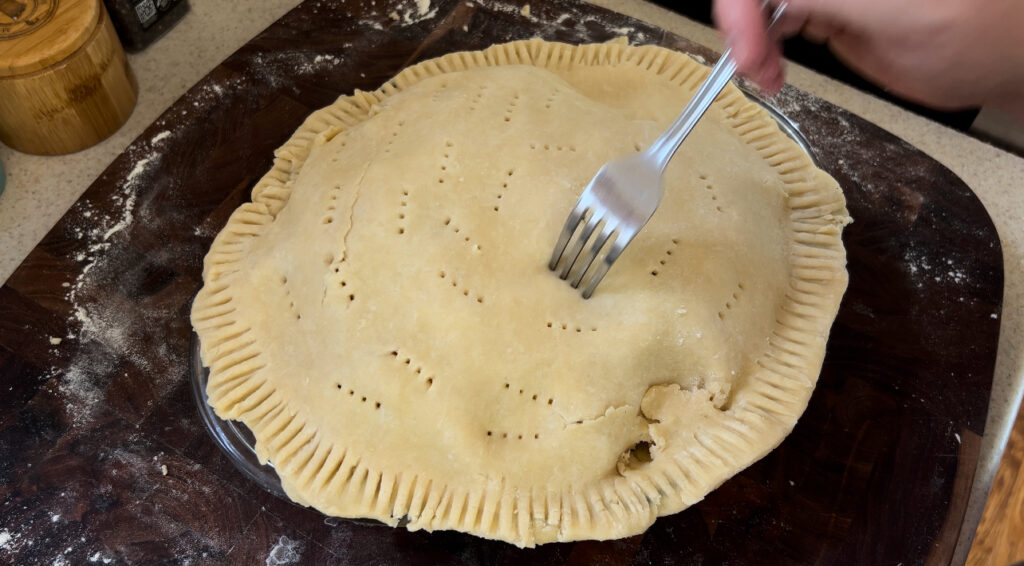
(735, 298)
(504, 187)
(408, 361)
(534, 397)
(565, 326)
(362, 399)
(465, 292)
(709, 187)
(401, 211)
(288, 295)
(549, 147)
(511, 107)
(342, 283)
(329, 217)
(405, 193)
(456, 229)
(668, 252)
(492, 433)
(512, 104)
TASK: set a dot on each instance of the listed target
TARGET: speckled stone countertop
(40, 189)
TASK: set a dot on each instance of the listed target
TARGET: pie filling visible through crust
(382, 317)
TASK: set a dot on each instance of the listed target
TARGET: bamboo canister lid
(39, 33)
(65, 83)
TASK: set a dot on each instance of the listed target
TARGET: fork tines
(594, 219)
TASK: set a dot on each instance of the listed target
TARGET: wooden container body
(73, 104)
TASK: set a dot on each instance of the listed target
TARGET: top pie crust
(382, 317)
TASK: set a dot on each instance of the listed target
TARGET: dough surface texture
(382, 317)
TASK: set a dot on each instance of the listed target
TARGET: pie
(382, 316)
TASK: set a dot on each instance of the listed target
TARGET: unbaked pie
(382, 317)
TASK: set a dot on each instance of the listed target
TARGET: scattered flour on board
(11, 542)
(420, 10)
(328, 58)
(916, 262)
(584, 23)
(210, 93)
(792, 103)
(286, 551)
(625, 30)
(129, 194)
(581, 23)
(277, 68)
(202, 98)
(884, 184)
(101, 317)
(921, 268)
(843, 138)
(415, 13)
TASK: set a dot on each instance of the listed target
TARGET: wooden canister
(65, 83)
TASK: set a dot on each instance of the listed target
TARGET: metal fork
(626, 191)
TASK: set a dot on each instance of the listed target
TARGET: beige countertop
(41, 189)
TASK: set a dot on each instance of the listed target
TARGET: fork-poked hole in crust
(415, 367)
(571, 327)
(528, 395)
(455, 284)
(352, 394)
(732, 301)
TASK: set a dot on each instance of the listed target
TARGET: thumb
(756, 54)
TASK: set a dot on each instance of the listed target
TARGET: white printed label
(146, 11)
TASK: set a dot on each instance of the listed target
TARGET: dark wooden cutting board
(103, 456)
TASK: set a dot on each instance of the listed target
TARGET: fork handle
(665, 146)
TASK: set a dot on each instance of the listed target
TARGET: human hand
(941, 53)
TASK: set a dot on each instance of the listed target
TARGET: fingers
(757, 55)
(772, 75)
(743, 25)
(867, 57)
(818, 31)
(789, 24)
(855, 13)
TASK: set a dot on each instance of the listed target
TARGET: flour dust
(102, 323)
(285, 551)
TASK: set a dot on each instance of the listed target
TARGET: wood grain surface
(1000, 535)
(103, 455)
